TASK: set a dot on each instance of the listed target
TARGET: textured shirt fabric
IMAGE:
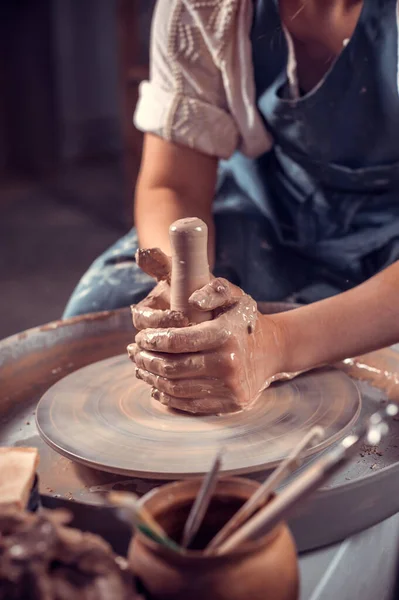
(201, 91)
(325, 173)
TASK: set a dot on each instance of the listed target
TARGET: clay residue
(282, 377)
(379, 369)
(370, 451)
(154, 262)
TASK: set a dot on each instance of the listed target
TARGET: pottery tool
(141, 519)
(264, 492)
(201, 502)
(102, 417)
(370, 431)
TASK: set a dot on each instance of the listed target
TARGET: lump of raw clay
(42, 559)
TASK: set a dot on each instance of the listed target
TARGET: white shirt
(201, 91)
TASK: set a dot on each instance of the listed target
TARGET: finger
(204, 406)
(180, 366)
(184, 388)
(173, 366)
(145, 317)
(155, 263)
(216, 294)
(158, 298)
(197, 338)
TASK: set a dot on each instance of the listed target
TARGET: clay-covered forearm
(361, 320)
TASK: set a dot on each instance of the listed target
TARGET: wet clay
(190, 268)
(154, 262)
(379, 369)
(216, 367)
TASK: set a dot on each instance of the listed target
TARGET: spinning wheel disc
(103, 417)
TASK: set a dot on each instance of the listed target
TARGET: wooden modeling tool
(201, 502)
(269, 486)
(190, 267)
(141, 518)
(371, 432)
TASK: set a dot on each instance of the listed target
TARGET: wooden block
(17, 474)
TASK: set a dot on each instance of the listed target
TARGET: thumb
(216, 294)
(155, 263)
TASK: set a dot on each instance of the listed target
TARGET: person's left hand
(218, 366)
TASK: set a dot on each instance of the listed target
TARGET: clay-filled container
(265, 569)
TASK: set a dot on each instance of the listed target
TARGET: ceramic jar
(265, 569)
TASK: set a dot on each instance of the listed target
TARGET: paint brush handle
(190, 267)
(278, 509)
(371, 430)
(267, 488)
(201, 502)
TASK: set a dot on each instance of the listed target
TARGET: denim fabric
(243, 255)
(329, 188)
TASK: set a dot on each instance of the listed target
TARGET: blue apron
(317, 214)
(329, 189)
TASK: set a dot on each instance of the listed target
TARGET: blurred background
(69, 154)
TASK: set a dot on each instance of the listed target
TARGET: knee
(108, 287)
(113, 281)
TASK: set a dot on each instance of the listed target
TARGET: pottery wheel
(103, 417)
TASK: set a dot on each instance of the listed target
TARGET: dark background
(69, 154)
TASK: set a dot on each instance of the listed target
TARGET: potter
(276, 123)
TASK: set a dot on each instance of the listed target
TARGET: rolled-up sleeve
(184, 100)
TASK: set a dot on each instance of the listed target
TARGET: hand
(154, 311)
(218, 366)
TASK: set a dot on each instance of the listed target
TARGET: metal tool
(264, 492)
(371, 431)
(202, 501)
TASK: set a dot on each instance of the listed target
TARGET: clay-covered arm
(363, 319)
(174, 182)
